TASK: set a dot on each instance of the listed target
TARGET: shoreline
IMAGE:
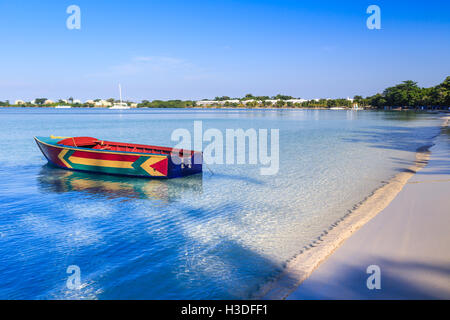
(310, 257)
(433, 111)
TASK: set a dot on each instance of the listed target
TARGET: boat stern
(184, 166)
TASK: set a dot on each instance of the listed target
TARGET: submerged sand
(302, 266)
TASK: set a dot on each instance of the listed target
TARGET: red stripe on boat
(105, 156)
(161, 166)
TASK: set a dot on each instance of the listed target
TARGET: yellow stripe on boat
(101, 162)
(58, 137)
(61, 157)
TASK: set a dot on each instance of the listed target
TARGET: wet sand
(404, 232)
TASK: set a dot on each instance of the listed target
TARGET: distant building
(232, 101)
(206, 102)
(296, 100)
(222, 102)
(245, 102)
(48, 101)
(103, 103)
(133, 105)
(90, 102)
(19, 102)
(77, 101)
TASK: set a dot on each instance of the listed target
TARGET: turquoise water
(218, 235)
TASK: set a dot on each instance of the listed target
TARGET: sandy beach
(389, 229)
(408, 240)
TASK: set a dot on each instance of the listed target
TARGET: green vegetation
(409, 94)
(222, 98)
(40, 101)
(166, 104)
(282, 97)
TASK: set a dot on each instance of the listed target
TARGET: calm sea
(218, 235)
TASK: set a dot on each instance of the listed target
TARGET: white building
(19, 102)
(206, 102)
(233, 101)
(296, 100)
(245, 102)
(222, 102)
(48, 101)
(103, 103)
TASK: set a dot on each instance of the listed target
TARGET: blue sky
(202, 49)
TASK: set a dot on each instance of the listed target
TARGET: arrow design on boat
(113, 163)
(62, 155)
(155, 166)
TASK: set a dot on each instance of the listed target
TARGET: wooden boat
(127, 159)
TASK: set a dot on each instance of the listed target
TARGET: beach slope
(409, 241)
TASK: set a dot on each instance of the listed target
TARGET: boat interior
(94, 143)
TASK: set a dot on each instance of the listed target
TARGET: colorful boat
(128, 159)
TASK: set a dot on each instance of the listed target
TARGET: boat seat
(100, 146)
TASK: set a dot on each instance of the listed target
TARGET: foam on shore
(311, 256)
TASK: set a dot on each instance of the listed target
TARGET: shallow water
(218, 235)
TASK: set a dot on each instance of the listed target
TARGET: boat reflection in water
(112, 187)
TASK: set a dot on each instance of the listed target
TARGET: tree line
(166, 104)
(409, 94)
(405, 94)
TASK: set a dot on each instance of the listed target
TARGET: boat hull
(117, 163)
